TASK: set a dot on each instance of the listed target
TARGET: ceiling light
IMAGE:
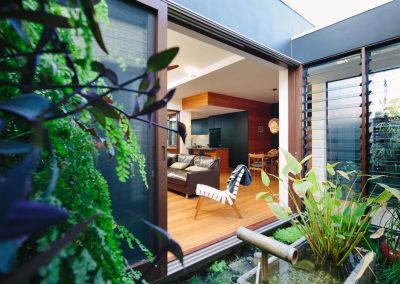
(192, 71)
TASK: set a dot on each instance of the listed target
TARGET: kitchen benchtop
(206, 148)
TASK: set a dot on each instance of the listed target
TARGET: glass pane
(384, 118)
(331, 114)
(130, 41)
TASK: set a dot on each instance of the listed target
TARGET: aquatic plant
(287, 235)
(333, 224)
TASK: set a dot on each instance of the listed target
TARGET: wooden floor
(216, 221)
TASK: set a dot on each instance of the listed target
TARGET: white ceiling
(209, 66)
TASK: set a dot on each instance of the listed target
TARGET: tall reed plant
(335, 216)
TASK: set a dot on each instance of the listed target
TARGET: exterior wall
(379, 24)
(271, 23)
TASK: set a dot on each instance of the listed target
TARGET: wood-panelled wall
(258, 115)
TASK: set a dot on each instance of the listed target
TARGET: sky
(325, 12)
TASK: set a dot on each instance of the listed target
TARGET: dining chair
(255, 162)
(271, 161)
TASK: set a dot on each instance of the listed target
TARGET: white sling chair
(240, 175)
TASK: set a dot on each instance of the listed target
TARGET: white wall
(186, 118)
(283, 130)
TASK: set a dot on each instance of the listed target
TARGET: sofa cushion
(206, 162)
(179, 165)
(177, 176)
(183, 158)
(196, 169)
(171, 158)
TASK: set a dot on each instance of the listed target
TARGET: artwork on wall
(260, 128)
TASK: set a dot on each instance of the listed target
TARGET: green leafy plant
(218, 266)
(287, 235)
(333, 224)
(56, 111)
(391, 275)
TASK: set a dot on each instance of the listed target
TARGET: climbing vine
(56, 110)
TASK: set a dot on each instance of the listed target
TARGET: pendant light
(273, 123)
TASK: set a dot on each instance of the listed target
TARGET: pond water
(307, 270)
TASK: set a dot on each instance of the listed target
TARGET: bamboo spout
(268, 245)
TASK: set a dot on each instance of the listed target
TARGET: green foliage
(391, 275)
(218, 267)
(333, 224)
(196, 280)
(80, 188)
(287, 235)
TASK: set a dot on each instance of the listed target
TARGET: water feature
(307, 270)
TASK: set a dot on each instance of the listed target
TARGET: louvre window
(384, 115)
(332, 114)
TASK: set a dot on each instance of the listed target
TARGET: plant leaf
(343, 174)
(26, 217)
(9, 147)
(265, 179)
(28, 106)
(260, 194)
(305, 159)
(293, 166)
(278, 211)
(16, 179)
(156, 105)
(378, 233)
(301, 187)
(162, 59)
(89, 11)
(182, 131)
(98, 102)
(8, 252)
(392, 190)
(40, 17)
(29, 268)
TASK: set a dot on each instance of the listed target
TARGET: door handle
(163, 152)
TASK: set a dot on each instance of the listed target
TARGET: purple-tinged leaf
(26, 217)
(40, 17)
(154, 90)
(89, 11)
(9, 147)
(98, 102)
(162, 59)
(182, 131)
(111, 75)
(28, 106)
(8, 252)
(29, 268)
(15, 185)
(165, 238)
(156, 105)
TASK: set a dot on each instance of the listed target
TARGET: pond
(232, 267)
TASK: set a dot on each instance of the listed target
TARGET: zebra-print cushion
(206, 162)
(183, 158)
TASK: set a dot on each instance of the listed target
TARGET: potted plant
(335, 216)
